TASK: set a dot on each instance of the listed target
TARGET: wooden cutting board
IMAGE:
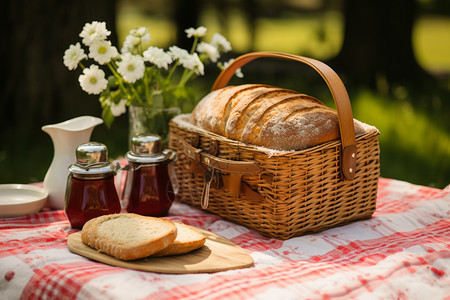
(217, 254)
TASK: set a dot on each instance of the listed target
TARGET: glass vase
(147, 119)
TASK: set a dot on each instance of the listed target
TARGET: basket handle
(338, 91)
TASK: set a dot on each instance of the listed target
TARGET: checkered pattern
(403, 252)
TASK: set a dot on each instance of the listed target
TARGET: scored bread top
(267, 116)
(248, 109)
(188, 239)
(128, 236)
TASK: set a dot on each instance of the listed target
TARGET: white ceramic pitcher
(66, 137)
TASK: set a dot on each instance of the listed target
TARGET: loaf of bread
(269, 117)
(128, 236)
(188, 239)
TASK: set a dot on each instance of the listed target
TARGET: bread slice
(188, 239)
(128, 236)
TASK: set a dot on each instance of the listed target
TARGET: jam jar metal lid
(92, 159)
(146, 149)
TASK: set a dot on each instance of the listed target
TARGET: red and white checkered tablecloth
(403, 252)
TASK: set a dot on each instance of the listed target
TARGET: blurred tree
(251, 10)
(186, 15)
(38, 88)
(440, 7)
(377, 49)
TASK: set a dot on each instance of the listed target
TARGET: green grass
(414, 145)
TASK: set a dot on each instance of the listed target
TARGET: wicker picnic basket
(279, 194)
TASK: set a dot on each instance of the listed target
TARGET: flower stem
(171, 72)
(194, 44)
(146, 88)
(136, 94)
(185, 77)
(183, 80)
(122, 86)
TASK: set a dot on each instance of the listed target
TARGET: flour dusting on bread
(269, 117)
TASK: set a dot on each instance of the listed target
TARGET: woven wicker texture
(303, 191)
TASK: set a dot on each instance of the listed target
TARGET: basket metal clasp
(206, 186)
(222, 173)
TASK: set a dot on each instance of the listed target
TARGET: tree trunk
(186, 15)
(38, 88)
(377, 45)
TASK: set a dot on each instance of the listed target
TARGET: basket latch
(206, 186)
(231, 181)
(229, 171)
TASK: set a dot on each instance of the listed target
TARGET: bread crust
(267, 116)
(247, 106)
(98, 233)
(188, 239)
(219, 107)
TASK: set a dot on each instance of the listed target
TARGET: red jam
(151, 190)
(89, 199)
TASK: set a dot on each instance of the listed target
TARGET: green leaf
(107, 116)
(112, 82)
(103, 98)
(116, 96)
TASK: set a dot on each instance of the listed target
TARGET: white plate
(21, 199)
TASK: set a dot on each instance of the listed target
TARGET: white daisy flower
(210, 50)
(199, 32)
(189, 61)
(134, 38)
(130, 44)
(95, 31)
(73, 56)
(131, 67)
(142, 33)
(102, 51)
(93, 80)
(158, 57)
(220, 42)
(177, 52)
(238, 72)
(119, 108)
(193, 62)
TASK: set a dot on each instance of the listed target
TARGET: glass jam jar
(90, 190)
(150, 182)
